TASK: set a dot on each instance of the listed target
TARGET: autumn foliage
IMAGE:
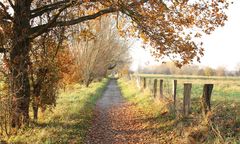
(170, 27)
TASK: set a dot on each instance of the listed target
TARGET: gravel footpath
(116, 121)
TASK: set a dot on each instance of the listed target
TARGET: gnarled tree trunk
(19, 62)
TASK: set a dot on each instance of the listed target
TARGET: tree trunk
(19, 60)
(87, 82)
(36, 100)
(37, 87)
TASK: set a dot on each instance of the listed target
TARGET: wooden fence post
(155, 88)
(161, 88)
(206, 98)
(144, 83)
(174, 92)
(187, 98)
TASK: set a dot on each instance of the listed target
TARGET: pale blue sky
(222, 47)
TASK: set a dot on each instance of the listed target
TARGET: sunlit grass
(69, 121)
(174, 128)
(225, 88)
(142, 98)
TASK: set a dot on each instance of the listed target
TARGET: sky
(222, 47)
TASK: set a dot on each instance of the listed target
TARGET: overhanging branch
(85, 18)
(43, 28)
(47, 8)
(4, 10)
(38, 30)
(11, 4)
(3, 50)
(39, 11)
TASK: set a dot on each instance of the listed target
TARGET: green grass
(225, 88)
(226, 91)
(142, 99)
(68, 122)
(172, 128)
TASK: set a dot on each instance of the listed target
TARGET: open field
(225, 88)
(222, 125)
(68, 122)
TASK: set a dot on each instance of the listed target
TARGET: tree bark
(19, 60)
(36, 100)
(37, 87)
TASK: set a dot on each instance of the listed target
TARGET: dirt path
(116, 121)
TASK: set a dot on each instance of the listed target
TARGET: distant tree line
(170, 69)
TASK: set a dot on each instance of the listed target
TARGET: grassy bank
(69, 121)
(169, 127)
(142, 99)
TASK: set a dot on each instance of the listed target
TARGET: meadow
(221, 126)
(225, 88)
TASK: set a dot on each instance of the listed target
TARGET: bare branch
(51, 23)
(11, 4)
(7, 15)
(47, 8)
(3, 50)
(38, 30)
(85, 18)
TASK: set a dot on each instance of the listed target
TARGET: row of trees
(62, 57)
(161, 24)
(99, 49)
(170, 69)
(82, 54)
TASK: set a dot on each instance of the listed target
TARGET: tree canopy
(169, 26)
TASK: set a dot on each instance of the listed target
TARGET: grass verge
(142, 99)
(69, 121)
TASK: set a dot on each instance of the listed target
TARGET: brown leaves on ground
(117, 121)
(120, 122)
(129, 124)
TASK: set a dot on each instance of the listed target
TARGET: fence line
(205, 99)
